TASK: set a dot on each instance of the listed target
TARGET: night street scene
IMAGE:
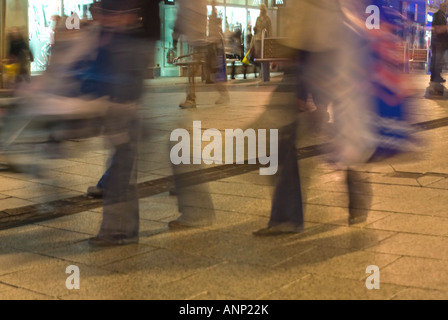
(223, 156)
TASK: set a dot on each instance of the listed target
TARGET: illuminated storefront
(235, 14)
(41, 17)
(36, 18)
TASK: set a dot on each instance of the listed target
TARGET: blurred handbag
(12, 70)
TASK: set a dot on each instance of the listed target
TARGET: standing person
(214, 34)
(262, 25)
(126, 46)
(248, 47)
(238, 49)
(20, 53)
(439, 42)
(191, 23)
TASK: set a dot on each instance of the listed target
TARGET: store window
(78, 6)
(42, 19)
(238, 2)
(236, 18)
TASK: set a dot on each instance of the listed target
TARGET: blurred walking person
(126, 47)
(314, 51)
(343, 63)
(151, 30)
(20, 53)
(191, 24)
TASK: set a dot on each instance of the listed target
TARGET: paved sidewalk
(405, 236)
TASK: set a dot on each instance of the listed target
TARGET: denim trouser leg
(120, 198)
(120, 203)
(287, 199)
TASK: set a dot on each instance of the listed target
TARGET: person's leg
(286, 211)
(193, 195)
(432, 66)
(359, 195)
(287, 207)
(233, 70)
(223, 93)
(120, 205)
(440, 61)
(190, 101)
(120, 224)
(98, 190)
(436, 63)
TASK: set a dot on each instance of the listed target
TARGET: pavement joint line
(21, 216)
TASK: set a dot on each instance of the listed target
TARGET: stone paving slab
(405, 234)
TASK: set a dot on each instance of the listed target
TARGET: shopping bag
(246, 58)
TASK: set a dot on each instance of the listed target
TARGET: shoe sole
(357, 220)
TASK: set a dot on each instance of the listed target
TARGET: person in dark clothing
(439, 38)
(19, 52)
(238, 49)
(250, 56)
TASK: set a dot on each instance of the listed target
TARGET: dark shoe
(118, 240)
(275, 231)
(438, 80)
(95, 192)
(176, 225)
(355, 218)
(179, 225)
(172, 191)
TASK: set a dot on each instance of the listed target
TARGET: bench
(271, 51)
(419, 56)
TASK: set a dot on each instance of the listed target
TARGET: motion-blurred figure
(195, 204)
(343, 63)
(214, 34)
(314, 50)
(20, 53)
(151, 25)
(191, 23)
(120, 67)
